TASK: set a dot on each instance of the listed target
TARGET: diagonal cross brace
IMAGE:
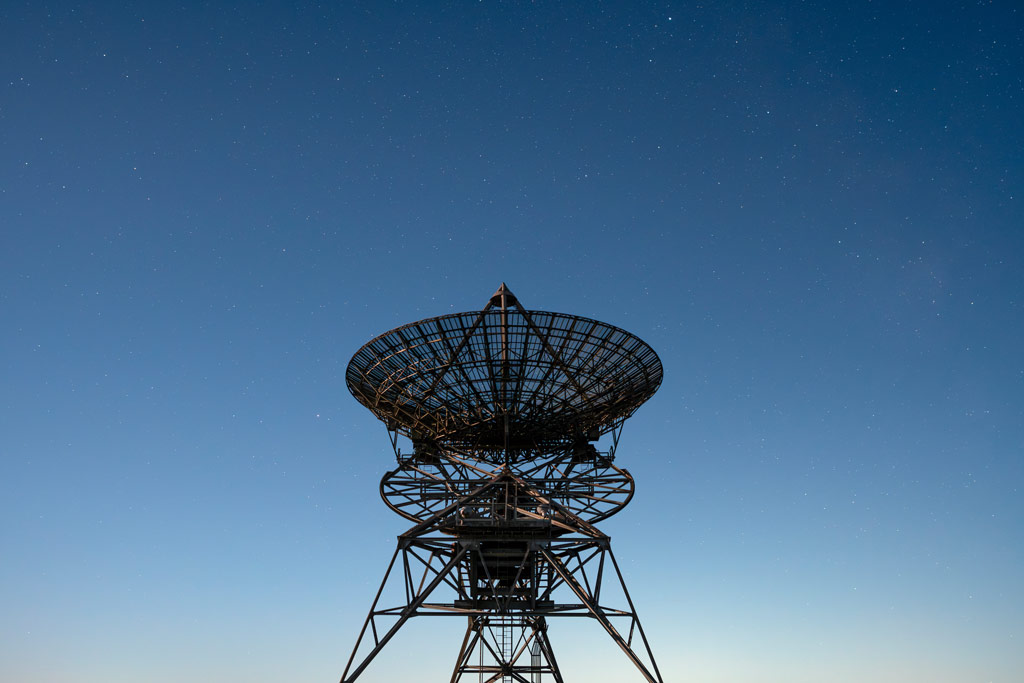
(598, 613)
(409, 611)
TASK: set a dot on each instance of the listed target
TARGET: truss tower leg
(506, 576)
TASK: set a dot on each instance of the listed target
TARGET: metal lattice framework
(504, 380)
(504, 484)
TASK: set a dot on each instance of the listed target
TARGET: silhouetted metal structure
(504, 484)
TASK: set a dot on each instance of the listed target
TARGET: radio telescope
(504, 484)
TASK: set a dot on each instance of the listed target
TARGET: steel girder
(510, 559)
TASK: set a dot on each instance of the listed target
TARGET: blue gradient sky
(812, 211)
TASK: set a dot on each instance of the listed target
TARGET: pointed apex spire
(504, 295)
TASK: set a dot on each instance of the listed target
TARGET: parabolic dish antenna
(504, 379)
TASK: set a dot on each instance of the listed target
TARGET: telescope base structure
(494, 649)
(509, 554)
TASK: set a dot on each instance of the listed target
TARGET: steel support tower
(504, 484)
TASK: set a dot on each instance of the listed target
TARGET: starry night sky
(812, 211)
